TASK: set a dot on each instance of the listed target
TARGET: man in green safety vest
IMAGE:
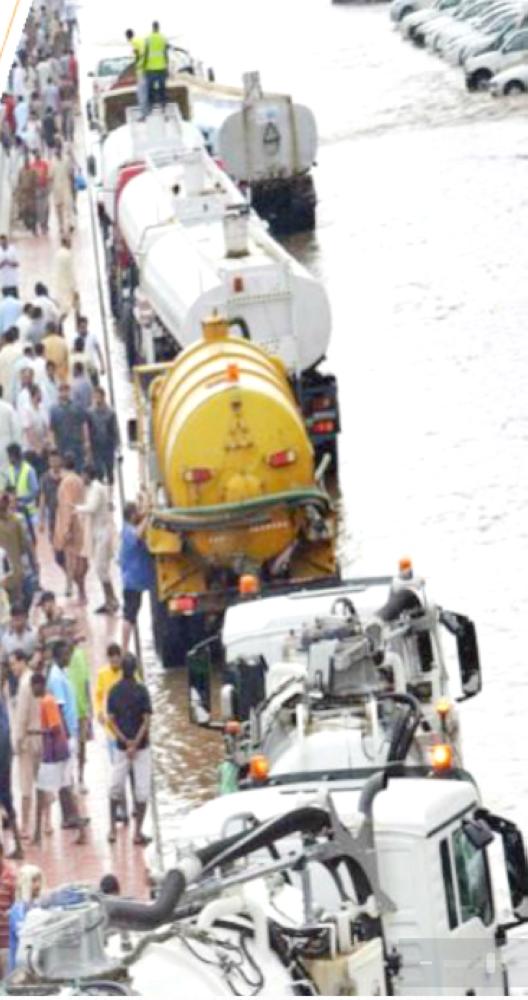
(23, 478)
(138, 49)
(156, 63)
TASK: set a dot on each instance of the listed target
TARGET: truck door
(469, 959)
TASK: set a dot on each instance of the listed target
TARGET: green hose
(218, 515)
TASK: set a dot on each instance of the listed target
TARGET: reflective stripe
(155, 53)
(21, 485)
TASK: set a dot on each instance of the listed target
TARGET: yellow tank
(227, 430)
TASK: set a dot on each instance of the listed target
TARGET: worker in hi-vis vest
(156, 63)
(138, 49)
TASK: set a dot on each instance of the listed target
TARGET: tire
(175, 635)
(514, 87)
(479, 80)
(405, 11)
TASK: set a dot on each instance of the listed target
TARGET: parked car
(481, 68)
(511, 81)
(400, 8)
(413, 25)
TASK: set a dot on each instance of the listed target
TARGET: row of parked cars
(487, 38)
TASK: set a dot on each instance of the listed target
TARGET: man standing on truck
(156, 63)
(138, 50)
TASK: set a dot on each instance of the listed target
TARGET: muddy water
(421, 241)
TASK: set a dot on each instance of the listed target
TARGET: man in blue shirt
(59, 686)
(10, 310)
(137, 566)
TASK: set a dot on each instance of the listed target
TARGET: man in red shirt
(7, 898)
(41, 168)
(9, 104)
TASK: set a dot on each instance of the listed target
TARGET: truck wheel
(514, 87)
(175, 635)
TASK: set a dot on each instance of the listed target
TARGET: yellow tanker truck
(227, 471)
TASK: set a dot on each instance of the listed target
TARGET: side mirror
(199, 671)
(514, 855)
(465, 634)
(91, 74)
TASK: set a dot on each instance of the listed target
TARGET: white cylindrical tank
(168, 193)
(130, 143)
(185, 274)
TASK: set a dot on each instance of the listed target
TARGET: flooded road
(421, 241)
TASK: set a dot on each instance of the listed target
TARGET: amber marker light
(232, 373)
(405, 566)
(259, 767)
(442, 757)
(248, 584)
(232, 727)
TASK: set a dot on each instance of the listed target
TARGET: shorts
(141, 770)
(53, 777)
(131, 605)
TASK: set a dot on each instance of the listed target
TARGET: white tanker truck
(405, 885)
(183, 243)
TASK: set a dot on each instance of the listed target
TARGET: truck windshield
(473, 880)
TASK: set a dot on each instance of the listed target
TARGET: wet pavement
(421, 242)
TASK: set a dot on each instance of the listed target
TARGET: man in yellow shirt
(107, 678)
(138, 50)
(156, 62)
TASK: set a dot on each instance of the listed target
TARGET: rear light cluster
(184, 605)
(197, 476)
(281, 458)
(323, 427)
(322, 403)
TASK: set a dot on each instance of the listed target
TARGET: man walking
(9, 267)
(129, 712)
(69, 425)
(101, 533)
(7, 898)
(104, 436)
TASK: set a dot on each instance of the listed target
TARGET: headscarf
(24, 884)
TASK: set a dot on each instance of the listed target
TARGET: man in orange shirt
(55, 767)
(56, 350)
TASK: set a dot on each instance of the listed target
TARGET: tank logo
(271, 139)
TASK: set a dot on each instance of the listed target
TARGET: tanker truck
(183, 242)
(266, 142)
(227, 470)
(403, 886)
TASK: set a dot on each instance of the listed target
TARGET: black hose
(405, 728)
(400, 600)
(130, 915)
(306, 819)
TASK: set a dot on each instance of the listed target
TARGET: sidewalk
(62, 860)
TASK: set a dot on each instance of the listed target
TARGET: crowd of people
(59, 446)
(37, 117)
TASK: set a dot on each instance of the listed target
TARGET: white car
(480, 69)
(400, 8)
(508, 82)
(413, 25)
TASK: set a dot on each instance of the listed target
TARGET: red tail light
(281, 458)
(323, 427)
(184, 605)
(321, 403)
(197, 476)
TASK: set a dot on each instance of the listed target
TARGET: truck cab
(444, 885)
(355, 675)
